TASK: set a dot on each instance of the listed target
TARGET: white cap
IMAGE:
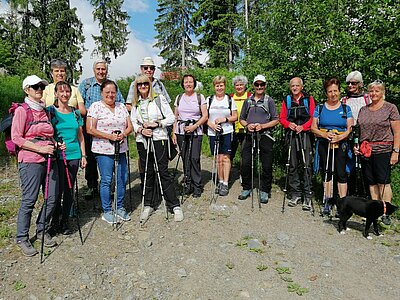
(356, 75)
(32, 80)
(259, 78)
(147, 61)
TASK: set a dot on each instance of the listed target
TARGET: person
(91, 93)
(239, 96)
(59, 73)
(331, 125)
(151, 114)
(148, 68)
(222, 114)
(296, 117)
(190, 114)
(258, 117)
(34, 146)
(67, 122)
(380, 128)
(109, 123)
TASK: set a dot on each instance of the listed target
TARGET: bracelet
(84, 156)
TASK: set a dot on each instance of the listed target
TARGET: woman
(331, 124)
(151, 114)
(222, 113)
(35, 146)
(190, 114)
(240, 96)
(59, 73)
(380, 128)
(108, 122)
(67, 123)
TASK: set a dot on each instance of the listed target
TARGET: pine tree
(174, 27)
(113, 21)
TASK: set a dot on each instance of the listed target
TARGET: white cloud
(136, 5)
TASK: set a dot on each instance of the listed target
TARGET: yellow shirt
(239, 101)
(48, 96)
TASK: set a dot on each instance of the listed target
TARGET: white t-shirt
(220, 109)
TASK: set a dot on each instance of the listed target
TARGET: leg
(122, 179)
(91, 174)
(376, 228)
(266, 158)
(73, 166)
(367, 226)
(148, 174)
(195, 164)
(293, 172)
(106, 167)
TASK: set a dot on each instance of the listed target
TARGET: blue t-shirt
(66, 129)
(332, 119)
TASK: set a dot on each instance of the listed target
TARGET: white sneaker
(178, 214)
(146, 213)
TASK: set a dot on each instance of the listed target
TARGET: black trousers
(91, 174)
(151, 178)
(191, 158)
(266, 159)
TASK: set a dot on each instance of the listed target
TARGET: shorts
(376, 168)
(224, 143)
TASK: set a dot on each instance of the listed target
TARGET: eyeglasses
(352, 82)
(262, 84)
(146, 84)
(149, 68)
(38, 86)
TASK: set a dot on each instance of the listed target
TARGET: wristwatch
(396, 150)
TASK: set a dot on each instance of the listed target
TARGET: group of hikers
(61, 128)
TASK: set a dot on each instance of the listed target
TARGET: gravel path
(224, 251)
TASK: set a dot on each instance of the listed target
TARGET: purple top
(189, 109)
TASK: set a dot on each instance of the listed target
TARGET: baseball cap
(32, 80)
(259, 78)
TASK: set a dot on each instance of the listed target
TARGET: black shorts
(340, 158)
(376, 169)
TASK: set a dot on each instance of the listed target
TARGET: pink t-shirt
(107, 122)
(189, 109)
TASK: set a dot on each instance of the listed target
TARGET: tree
(113, 22)
(174, 27)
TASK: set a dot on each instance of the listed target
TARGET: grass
(19, 285)
(7, 211)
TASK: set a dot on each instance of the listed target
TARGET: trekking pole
(307, 179)
(325, 196)
(46, 198)
(333, 146)
(258, 169)
(145, 178)
(76, 204)
(287, 170)
(129, 173)
(159, 178)
(117, 147)
(252, 168)
(214, 171)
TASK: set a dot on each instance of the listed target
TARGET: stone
(327, 264)
(182, 273)
(254, 244)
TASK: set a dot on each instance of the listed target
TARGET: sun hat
(147, 61)
(32, 80)
(259, 78)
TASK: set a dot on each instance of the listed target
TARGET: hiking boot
(196, 194)
(48, 241)
(178, 214)
(146, 213)
(386, 220)
(264, 197)
(244, 194)
(123, 215)
(223, 190)
(294, 201)
(187, 190)
(218, 187)
(108, 217)
(27, 248)
(66, 229)
(307, 204)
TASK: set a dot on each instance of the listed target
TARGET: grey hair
(379, 83)
(57, 64)
(100, 61)
(301, 81)
(240, 78)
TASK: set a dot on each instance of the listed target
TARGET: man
(90, 91)
(258, 117)
(296, 117)
(147, 67)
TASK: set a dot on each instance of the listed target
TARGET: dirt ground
(221, 251)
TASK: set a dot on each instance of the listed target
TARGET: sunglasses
(139, 84)
(262, 84)
(352, 82)
(38, 86)
(149, 68)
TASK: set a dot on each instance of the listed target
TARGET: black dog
(370, 209)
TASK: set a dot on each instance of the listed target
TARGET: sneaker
(264, 197)
(223, 190)
(48, 241)
(178, 214)
(307, 204)
(218, 187)
(244, 194)
(327, 209)
(294, 201)
(108, 217)
(27, 248)
(386, 220)
(146, 213)
(123, 215)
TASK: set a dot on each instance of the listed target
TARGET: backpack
(321, 106)
(210, 100)
(198, 100)
(289, 104)
(6, 123)
(366, 99)
(253, 103)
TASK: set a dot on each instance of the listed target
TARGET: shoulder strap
(344, 99)
(179, 99)
(158, 102)
(210, 100)
(288, 104)
(320, 107)
(366, 99)
(344, 108)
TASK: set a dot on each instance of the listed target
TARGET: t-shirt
(375, 126)
(66, 129)
(239, 100)
(355, 103)
(49, 97)
(107, 121)
(220, 109)
(332, 119)
(254, 111)
(189, 109)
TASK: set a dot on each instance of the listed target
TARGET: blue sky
(143, 14)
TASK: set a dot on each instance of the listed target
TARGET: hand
(292, 126)
(151, 125)
(299, 128)
(47, 149)
(394, 158)
(83, 162)
(120, 137)
(220, 120)
(251, 127)
(147, 132)
(174, 139)
(329, 135)
(259, 127)
(190, 128)
(61, 146)
(216, 127)
(356, 150)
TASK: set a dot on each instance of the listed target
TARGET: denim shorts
(225, 142)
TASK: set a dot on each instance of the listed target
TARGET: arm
(316, 131)
(283, 116)
(81, 103)
(82, 146)
(340, 137)
(130, 96)
(274, 117)
(396, 142)
(91, 129)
